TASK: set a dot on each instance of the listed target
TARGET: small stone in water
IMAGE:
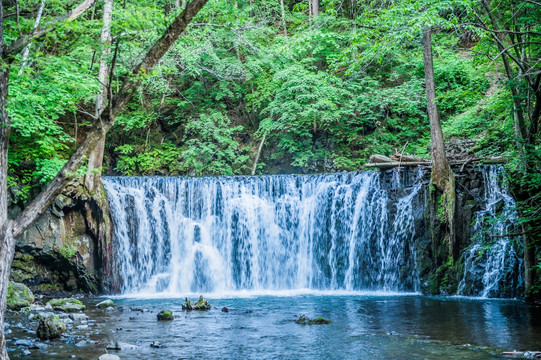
(156, 345)
(23, 342)
(38, 346)
(81, 343)
(224, 309)
(117, 345)
(165, 315)
(78, 317)
(105, 304)
(108, 357)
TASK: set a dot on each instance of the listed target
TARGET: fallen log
(397, 163)
(406, 158)
(378, 159)
(390, 164)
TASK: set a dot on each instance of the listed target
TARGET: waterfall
(492, 267)
(345, 231)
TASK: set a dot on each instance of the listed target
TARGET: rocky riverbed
(264, 327)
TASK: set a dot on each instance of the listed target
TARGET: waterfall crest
(346, 231)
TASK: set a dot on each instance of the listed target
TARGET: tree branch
(99, 129)
(20, 43)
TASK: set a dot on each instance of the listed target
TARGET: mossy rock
(165, 315)
(67, 305)
(50, 327)
(201, 305)
(303, 320)
(105, 304)
(19, 296)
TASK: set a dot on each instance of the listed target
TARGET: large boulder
(50, 327)
(19, 296)
(67, 305)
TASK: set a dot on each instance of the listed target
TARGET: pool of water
(365, 326)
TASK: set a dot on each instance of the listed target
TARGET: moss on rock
(67, 305)
(19, 296)
(201, 305)
(165, 315)
(105, 304)
(303, 320)
(50, 327)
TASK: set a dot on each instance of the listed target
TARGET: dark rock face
(441, 272)
(68, 248)
(50, 327)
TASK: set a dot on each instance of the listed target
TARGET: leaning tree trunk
(95, 159)
(7, 243)
(443, 177)
(26, 50)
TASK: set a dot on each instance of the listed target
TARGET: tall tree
(443, 177)
(10, 230)
(314, 4)
(95, 159)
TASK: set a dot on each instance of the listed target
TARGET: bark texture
(95, 159)
(443, 177)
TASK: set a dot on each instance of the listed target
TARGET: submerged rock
(303, 320)
(108, 357)
(105, 304)
(117, 345)
(201, 305)
(224, 309)
(67, 305)
(78, 317)
(156, 345)
(165, 315)
(50, 327)
(19, 296)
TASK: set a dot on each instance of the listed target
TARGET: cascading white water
(346, 231)
(492, 268)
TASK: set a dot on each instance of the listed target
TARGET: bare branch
(17, 45)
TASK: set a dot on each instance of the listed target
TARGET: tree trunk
(282, 8)
(26, 50)
(259, 153)
(95, 159)
(441, 168)
(7, 243)
(315, 8)
(443, 177)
